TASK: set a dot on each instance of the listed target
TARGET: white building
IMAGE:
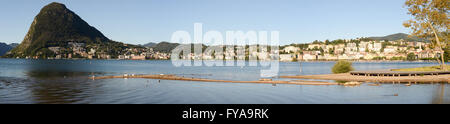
(351, 47)
(390, 49)
(377, 47)
(287, 57)
(291, 49)
(56, 50)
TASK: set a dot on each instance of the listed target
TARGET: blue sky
(143, 21)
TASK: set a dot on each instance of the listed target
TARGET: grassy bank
(428, 68)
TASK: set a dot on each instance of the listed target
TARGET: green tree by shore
(342, 66)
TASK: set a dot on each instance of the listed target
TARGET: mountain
(55, 26)
(397, 36)
(14, 45)
(4, 48)
(164, 47)
(149, 44)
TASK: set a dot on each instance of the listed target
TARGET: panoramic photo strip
(224, 60)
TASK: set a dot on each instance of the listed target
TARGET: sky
(144, 21)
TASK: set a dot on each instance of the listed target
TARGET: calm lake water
(66, 81)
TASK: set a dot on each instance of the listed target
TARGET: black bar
(173, 113)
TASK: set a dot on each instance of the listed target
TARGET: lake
(66, 81)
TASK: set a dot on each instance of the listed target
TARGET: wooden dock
(442, 78)
(388, 73)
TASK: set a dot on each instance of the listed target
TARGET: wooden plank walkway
(384, 73)
(381, 79)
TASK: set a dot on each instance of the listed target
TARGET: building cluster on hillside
(75, 50)
(317, 51)
(143, 54)
(352, 49)
(359, 50)
(232, 53)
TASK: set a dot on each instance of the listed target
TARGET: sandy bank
(174, 77)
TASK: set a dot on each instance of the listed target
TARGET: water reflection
(57, 74)
(441, 94)
(56, 91)
(58, 82)
(66, 81)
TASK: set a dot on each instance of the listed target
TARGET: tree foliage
(447, 54)
(411, 57)
(342, 66)
(430, 20)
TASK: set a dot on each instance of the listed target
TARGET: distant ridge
(4, 48)
(165, 47)
(149, 44)
(397, 36)
(14, 45)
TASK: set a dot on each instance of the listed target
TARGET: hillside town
(129, 53)
(350, 49)
(359, 50)
(79, 50)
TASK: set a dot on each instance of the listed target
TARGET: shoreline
(359, 61)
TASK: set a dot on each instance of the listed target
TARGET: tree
(327, 42)
(447, 54)
(411, 57)
(342, 66)
(430, 20)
